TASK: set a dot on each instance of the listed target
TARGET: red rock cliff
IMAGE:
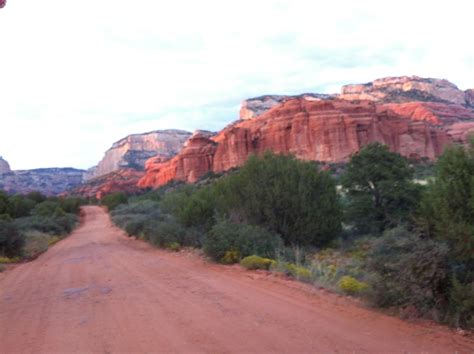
(327, 130)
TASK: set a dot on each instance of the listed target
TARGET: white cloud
(76, 76)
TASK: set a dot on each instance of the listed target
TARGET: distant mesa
(49, 181)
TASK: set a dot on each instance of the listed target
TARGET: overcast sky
(75, 76)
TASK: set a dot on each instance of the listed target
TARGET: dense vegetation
(30, 223)
(380, 235)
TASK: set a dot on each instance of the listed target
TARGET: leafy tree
(21, 206)
(379, 189)
(4, 203)
(48, 208)
(447, 210)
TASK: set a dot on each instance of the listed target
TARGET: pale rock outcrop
(405, 89)
(4, 166)
(134, 150)
(253, 107)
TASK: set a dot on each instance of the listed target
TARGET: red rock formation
(191, 163)
(124, 180)
(328, 130)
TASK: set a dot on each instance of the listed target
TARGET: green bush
(164, 233)
(242, 238)
(48, 208)
(290, 197)
(11, 241)
(111, 201)
(21, 206)
(173, 246)
(61, 225)
(461, 304)
(256, 262)
(407, 270)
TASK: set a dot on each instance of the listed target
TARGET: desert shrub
(200, 208)
(287, 196)
(242, 238)
(256, 262)
(147, 207)
(135, 216)
(11, 240)
(111, 201)
(230, 257)
(351, 285)
(4, 203)
(407, 270)
(21, 206)
(461, 304)
(173, 246)
(47, 208)
(71, 205)
(175, 201)
(36, 243)
(61, 225)
(37, 197)
(164, 233)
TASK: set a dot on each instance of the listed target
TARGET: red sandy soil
(99, 291)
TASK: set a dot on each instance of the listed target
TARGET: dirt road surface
(99, 291)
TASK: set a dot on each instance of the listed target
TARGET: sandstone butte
(415, 117)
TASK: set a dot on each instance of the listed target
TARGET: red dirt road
(99, 291)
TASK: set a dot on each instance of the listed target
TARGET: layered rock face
(254, 107)
(4, 166)
(413, 116)
(133, 151)
(49, 181)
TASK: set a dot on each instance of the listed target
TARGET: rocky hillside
(415, 117)
(133, 151)
(49, 181)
